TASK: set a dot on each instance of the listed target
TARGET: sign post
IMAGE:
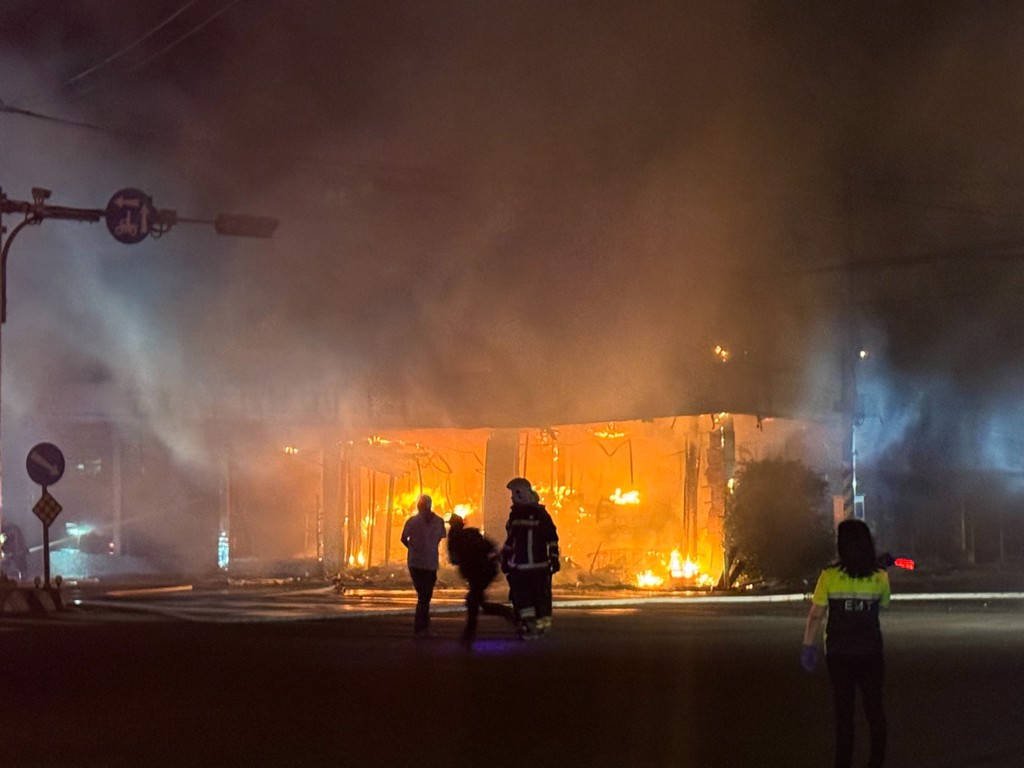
(45, 465)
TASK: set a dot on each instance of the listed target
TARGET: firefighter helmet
(522, 491)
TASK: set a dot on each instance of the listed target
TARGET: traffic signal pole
(34, 213)
(130, 216)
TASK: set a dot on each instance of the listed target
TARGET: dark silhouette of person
(476, 557)
(850, 593)
(421, 535)
(545, 604)
(528, 558)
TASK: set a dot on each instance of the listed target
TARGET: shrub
(778, 520)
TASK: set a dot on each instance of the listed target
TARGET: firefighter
(477, 559)
(851, 593)
(528, 558)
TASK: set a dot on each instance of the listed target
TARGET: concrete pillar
(501, 464)
(334, 511)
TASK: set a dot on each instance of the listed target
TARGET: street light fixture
(131, 217)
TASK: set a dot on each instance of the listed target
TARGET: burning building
(637, 502)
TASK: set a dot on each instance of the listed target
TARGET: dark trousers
(423, 579)
(544, 606)
(530, 593)
(848, 673)
(474, 599)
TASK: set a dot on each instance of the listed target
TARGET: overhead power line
(185, 36)
(134, 44)
(10, 109)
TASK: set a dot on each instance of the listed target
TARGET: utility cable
(119, 53)
(10, 109)
(224, 9)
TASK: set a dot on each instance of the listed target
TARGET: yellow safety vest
(853, 606)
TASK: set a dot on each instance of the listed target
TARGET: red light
(904, 562)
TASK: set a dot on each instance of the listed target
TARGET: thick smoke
(527, 213)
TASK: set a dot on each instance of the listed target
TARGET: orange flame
(624, 499)
(648, 580)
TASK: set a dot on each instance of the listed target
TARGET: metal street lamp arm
(30, 219)
(35, 212)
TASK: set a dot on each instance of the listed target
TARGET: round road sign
(130, 215)
(45, 464)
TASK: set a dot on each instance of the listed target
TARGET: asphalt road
(650, 686)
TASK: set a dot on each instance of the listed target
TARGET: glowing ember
(629, 497)
(648, 580)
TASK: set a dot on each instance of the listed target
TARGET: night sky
(528, 208)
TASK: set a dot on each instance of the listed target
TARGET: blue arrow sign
(45, 464)
(130, 215)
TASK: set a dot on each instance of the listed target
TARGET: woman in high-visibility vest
(851, 593)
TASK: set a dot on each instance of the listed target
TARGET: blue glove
(809, 657)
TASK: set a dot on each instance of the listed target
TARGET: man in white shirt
(421, 535)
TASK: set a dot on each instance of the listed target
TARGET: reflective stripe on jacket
(532, 540)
